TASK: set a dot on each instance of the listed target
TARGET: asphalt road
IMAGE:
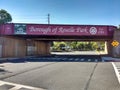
(64, 75)
(13, 68)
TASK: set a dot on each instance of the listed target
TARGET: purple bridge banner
(52, 29)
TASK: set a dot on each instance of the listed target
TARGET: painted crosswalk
(12, 86)
(116, 66)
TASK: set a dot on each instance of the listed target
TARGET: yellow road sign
(115, 43)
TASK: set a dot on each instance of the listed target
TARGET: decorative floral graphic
(93, 30)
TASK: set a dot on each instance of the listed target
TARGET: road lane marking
(77, 59)
(89, 60)
(82, 59)
(17, 86)
(96, 60)
(64, 59)
(117, 72)
(71, 59)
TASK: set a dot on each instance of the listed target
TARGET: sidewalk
(110, 59)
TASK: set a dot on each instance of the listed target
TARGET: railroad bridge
(19, 39)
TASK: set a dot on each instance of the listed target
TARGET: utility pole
(48, 18)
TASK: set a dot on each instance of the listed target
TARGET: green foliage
(58, 46)
(62, 45)
(5, 17)
(119, 27)
(78, 46)
(73, 45)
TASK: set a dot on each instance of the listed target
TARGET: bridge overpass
(19, 39)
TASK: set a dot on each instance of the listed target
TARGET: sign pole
(48, 18)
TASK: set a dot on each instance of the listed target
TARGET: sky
(93, 12)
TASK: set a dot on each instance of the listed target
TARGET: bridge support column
(48, 44)
(30, 47)
(109, 48)
(42, 47)
(106, 49)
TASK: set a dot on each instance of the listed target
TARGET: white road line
(82, 59)
(1, 84)
(76, 59)
(116, 72)
(89, 60)
(96, 60)
(71, 59)
(18, 86)
(64, 59)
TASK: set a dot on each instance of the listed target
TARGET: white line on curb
(116, 72)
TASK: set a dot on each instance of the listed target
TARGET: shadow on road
(56, 58)
(3, 71)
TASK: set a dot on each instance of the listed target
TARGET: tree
(119, 27)
(5, 17)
